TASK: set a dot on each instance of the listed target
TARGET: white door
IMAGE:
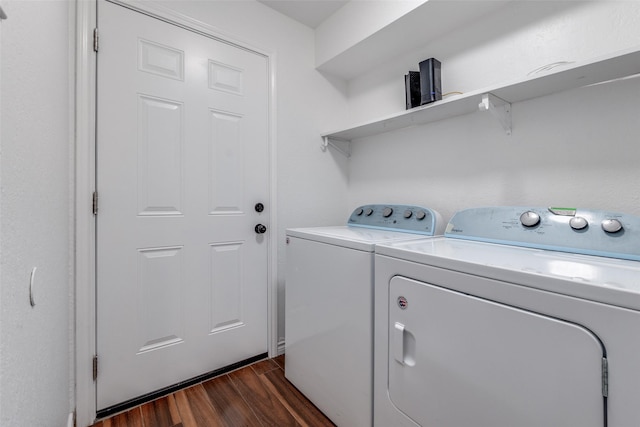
(460, 361)
(182, 160)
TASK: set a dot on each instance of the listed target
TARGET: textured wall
(34, 214)
(577, 148)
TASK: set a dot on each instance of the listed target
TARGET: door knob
(259, 207)
(260, 229)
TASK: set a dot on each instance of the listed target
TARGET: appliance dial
(578, 223)
(386, 212)
(359, 211)
(408, 213)
(368, 212)
(421, 215)
(611, 225)
(529, 219)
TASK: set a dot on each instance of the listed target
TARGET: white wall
(311, 184)
(577, 148)
(34, 214)
(1, 349)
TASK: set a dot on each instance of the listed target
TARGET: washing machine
(517, 317)
(329, 306)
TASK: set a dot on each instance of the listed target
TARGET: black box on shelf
(412, 89)
(430, 81)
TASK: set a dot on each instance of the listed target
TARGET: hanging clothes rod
(2, 14)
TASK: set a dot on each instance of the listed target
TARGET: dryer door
(460, 361)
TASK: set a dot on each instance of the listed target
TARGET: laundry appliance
(329, 305)
(518, 316)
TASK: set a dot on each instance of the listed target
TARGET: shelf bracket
(342, 145)
(499, 108)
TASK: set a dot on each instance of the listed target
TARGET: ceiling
(308, 12)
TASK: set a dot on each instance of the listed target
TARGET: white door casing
(182, 157)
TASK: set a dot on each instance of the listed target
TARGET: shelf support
(342, 145)
(499, 108)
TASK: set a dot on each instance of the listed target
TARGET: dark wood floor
(256, 395)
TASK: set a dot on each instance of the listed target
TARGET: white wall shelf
(498, 99)
(414, 30)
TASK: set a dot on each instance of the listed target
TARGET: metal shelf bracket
(499, 108)
(342, 145)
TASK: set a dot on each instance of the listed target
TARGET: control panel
(404, 218)
(584, 231)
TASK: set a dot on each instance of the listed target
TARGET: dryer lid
(608, 280)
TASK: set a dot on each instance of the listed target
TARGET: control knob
(408, 213)
(421, 215)
(578, 223)
(386, 212)
(368, 211)
(359, 211)
(611, 225)
(529, 219)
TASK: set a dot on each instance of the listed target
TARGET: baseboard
(71, 420)
(281, 346)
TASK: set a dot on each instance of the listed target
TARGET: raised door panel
(160, 156)
(226, 168)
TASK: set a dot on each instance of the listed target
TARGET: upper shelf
(346, 47)
(614, 66)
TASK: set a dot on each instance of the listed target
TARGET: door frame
(85, 184)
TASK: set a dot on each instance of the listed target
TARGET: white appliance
(505, 322)
(329, 306)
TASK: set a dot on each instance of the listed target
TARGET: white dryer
(329, 306)
(505, 322)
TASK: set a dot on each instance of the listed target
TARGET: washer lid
(358, 238)
(608, 280)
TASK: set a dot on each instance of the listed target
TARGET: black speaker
(412, 89)
(430, 84)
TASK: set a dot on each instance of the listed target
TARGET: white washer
(484, 328)
(329, 306)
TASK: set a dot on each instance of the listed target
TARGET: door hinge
(94, 204)
(95, 367)
(95, 40)
(605, 377)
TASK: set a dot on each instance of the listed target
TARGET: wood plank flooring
(256, 395)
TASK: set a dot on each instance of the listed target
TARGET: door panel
(225, 163)
(182, 151)
(460, 361)
(160, 156)
(160, 303)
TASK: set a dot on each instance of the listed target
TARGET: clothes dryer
(521, 317)
(329, 306)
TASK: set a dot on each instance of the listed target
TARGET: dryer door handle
(398, 342)
(404, 345)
